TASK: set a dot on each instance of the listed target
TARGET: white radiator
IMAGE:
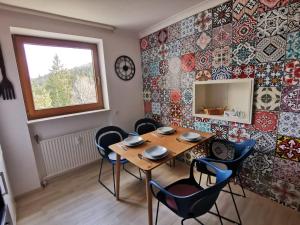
(67, 152)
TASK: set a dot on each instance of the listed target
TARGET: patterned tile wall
(239, 39)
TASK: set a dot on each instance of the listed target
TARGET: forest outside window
(58, 76)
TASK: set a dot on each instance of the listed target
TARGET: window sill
(66, 116)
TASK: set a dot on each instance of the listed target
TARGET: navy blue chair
(240, 152)
(186, 198)
(145, 125)
(105, 137)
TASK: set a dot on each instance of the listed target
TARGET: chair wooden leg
(149, 197)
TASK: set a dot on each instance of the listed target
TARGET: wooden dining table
(172, 142)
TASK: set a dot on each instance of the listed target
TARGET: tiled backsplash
(237, 39)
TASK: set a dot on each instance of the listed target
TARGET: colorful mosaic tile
(171, 81)
(265, 142)
(286, 194)
(203, 40)
(165, 111)
(202, 126)
(271, 49)
(203, 21)
(223, 72)
(267, 98)
(286, 170)
(188, 62)
(176, 112)
(174, 32)
(256, 183)
(243, 53)
(288, 148)
(222, 14)
(221, 131)
(174, 65)
(153, 40)
(219, 122)
(175, 95)
(147, 107)
(187, 79)
(203, 75)
(174, 48)
(244, 29)
(266, 5)
(242, 7)
(155, 95)
(292, 73)
(187, 26)
(260, 164)
(269, 74)
(238, 134)
(187, 96)
(293, 46)
(294, 17)
(243, 71)
(165, 96)
(289, 124)
(154, 69)
(272, 23)
(290, 100)
(163, 52)
(203, 60)
(144, 43)
(162, 36)
(187, 108)
(163, 67)
(156, 108)
(222, 35)
(221, 57)
(265, 121)
(188, 44)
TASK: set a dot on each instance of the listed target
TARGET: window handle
(4, 183)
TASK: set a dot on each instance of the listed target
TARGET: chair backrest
(107, 136)
(241, 152)
(202, 201)
(145, 125)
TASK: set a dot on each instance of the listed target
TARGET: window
(58, 76)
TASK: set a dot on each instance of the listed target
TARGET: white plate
(165, 130)
(155, 152)
(190, 136)
(133, 141)
(146, 155)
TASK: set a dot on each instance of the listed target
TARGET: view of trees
(64, 87)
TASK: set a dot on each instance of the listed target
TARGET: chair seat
(180, 188)
(113, 158)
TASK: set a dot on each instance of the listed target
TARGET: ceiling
(133, 15)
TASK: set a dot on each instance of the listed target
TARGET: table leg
(149, 197)
(118, 167)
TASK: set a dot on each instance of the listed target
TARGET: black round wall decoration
(124, 67)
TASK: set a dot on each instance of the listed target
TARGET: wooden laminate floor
(78, 199)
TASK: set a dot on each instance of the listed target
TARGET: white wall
(15, 135)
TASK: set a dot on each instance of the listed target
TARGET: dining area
(151, 145)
